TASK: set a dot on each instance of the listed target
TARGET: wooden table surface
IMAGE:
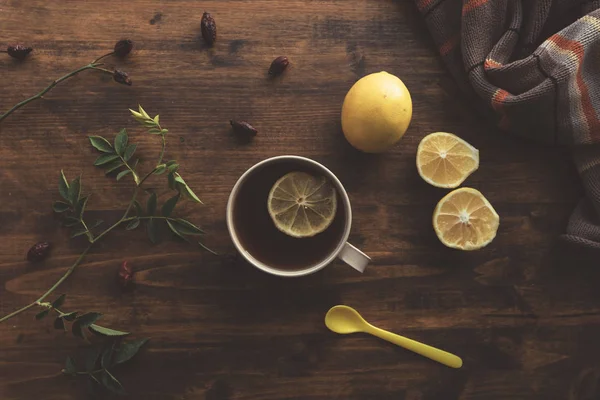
(524, 313)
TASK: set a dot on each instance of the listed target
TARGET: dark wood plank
(523, 313)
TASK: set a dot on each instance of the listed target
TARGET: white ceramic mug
(343, 250)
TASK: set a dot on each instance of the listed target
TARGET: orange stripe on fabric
(497, 105)
(489, 63)
(471, 5)
(449, 45)
(498, 98)
(422, 4)
(586, 102)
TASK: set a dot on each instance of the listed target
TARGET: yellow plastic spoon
(344, 320)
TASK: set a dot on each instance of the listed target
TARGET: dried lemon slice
(302, 205)
(445, 160)
(465, 220)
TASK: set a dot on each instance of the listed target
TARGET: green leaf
(156, 119)
(207, 249)
(70, 367)
(143, 112)
(101, 144)
(141, 120)
(60, 206)
(88, 319)
(42, 314)
(79, 232)
(136, 114)
(164, 131)
(152, 230)
(69, 316)
(138, 208)
(149, 123)
(161, 169)
(113, 166)
(129, 152)
(121, 142)
(71, 221)
(63, 186)
(111, 383)
(93, 385)
(121, 174)
(171, 179)
(174, 230)
(75, 190)
(169, 206)
(151, 204)
(187, 228)
(179, 179)
(106, 331)
(91, 357)
(173, 167)
(133, 224)
(105, 159)
(60, 301)
(127, 350)
(59, 324)
(77, 330)
(154, 131)
(186, 191)
(80, 208)
(106, 358)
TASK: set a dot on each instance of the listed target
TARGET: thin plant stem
(77, 262)
(108, 71)
(101, 57)
(92, 65)
(88, 233)
(19, 311)
(136, 178)
(93, 240)
(52, 289)
(162, 151)
(148, 175)
(90, 373)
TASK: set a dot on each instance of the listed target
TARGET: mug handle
(354, 257)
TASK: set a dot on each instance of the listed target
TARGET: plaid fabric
(534, 64)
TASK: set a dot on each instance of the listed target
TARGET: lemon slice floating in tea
(465, 220)
(302, 205)
(445, 160)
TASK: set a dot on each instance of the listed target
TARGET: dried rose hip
(208, 28)
(18, 51)
(122, 77)
(123, 47)
(278, 65)
(39, 251)
(125, 276)
(243, 129)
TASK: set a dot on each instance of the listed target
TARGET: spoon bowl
(344, 320)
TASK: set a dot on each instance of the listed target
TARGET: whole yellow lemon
(376, 112)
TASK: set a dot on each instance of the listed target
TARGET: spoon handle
(438, 355)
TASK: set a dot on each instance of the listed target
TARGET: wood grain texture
(524, 313)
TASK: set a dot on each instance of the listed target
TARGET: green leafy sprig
(121, 49)
(116, 157)
(98, 357)
(79, 322)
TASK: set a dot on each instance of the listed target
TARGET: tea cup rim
(273, 270)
